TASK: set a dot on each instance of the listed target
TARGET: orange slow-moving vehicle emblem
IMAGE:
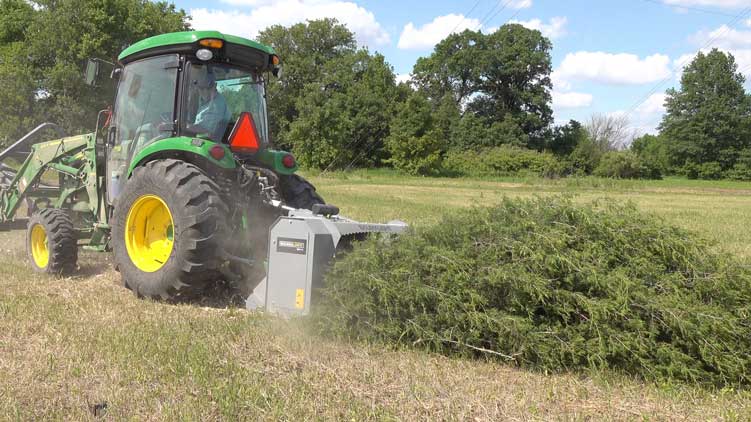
(244, 136)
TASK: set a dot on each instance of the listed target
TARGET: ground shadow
(219, 294)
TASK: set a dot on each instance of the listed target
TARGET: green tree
(343, 116)
(15, 17)
(18, 94)
(85, 29)
(563, 139)
(742, 168)
(653, 153)
(17, 77)
(707, 119)
(417, 141)
(506, 73)
(446, 118)
(43, 49)
(305, 49)
(586, 156)
(333, 102)
(453, 69)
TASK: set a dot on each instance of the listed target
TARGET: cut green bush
(548, 284)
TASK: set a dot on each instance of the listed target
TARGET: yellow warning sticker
(300, 299)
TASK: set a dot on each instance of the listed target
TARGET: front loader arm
(58, 155)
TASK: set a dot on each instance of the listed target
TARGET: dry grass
(67, 345)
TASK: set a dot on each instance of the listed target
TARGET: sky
(609, 56)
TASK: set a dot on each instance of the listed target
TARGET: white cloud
(726, 39)
(563, 100)
(646, 117)
(723, 37)
(649, 114)
(617, 69)
(564, 97)
(403, 77)
(288, 12)
(726, 4)
(554, 29)
(433, 32)
(559, 82)
(252, 3)
(655, 104)
(681, 62)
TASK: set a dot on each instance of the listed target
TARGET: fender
(194, 150)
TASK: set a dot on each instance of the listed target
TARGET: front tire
(51, 242)
(168, 230)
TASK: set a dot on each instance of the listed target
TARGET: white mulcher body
(302, 245)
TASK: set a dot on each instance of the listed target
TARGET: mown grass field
(68, 345)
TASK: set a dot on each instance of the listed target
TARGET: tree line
(479, 104)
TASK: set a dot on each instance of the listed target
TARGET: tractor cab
(188, 90)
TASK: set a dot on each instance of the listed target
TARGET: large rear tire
(51, 242)
(298, 192)
(169, 226)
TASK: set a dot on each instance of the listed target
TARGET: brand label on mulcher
(288, 245)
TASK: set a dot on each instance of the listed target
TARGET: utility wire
(695, 9)
(743, 14)
(466, 16)
(498, 12)
(744, 70)
(490, 12)
(510, 17)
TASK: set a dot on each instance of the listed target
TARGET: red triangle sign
(244, 136)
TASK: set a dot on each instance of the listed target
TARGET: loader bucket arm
(20, 147)
(57, 155)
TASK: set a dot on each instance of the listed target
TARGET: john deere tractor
(178, 180)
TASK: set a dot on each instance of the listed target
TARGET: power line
(507, 20)
(490, 19)
(695, 9)
(743, 14)
(490, 12)
(466, 16)
(744, 70)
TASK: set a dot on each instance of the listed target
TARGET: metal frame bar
(11, 150)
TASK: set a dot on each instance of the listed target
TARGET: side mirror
(277, 71)
(91, 73)
(116, 72)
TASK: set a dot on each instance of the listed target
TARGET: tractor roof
(176, 42)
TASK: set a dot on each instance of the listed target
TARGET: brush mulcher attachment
(302, 245)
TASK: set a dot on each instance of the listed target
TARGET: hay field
(70, 346)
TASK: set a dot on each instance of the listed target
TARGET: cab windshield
(216, 95)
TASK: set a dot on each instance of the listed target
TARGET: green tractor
(178, 180)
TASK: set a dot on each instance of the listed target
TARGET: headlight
(204, 54)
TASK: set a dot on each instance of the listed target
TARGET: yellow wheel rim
(149, 233)
(39, 251)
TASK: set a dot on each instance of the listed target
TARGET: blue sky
(609, 56)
